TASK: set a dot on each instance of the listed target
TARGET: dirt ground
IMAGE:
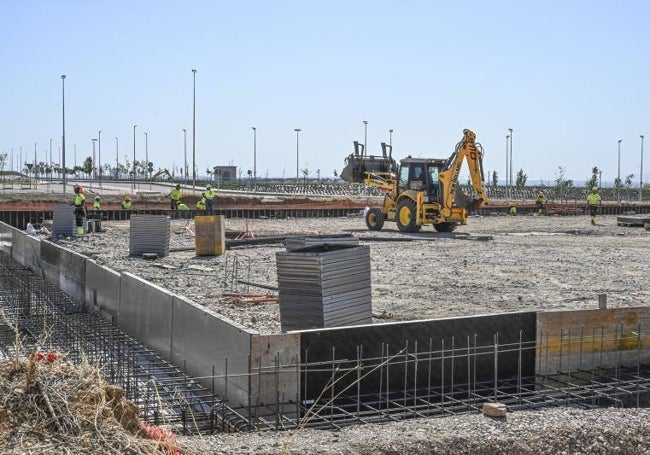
(492, 265)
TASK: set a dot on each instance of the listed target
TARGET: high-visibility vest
(210, 194)
(176, 194)
(79, 199)
(200, 205)
(126, 205)
(97, 205)
(594, 199)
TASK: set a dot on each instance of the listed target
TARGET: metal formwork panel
(451, 338)
(18, 246)
(63, 220)
(146, 313)
(149, 234)
(6, 238)
(293, 243)
(324, 286)
(204, 342)
(32, 253)
(72, 273)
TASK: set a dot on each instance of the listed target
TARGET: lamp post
(507, 182)
(390, 138)
(641, 172)
(63, 137)
(35, 168)
(75, 155)
(618, 173)
(297, 130)
(365, 137)
(185, 154)
(194, 130)
(510, 173)
(146, 151)
(254, 154)
(50, 162)
(117, 159)
(99, 156)
(134, 126)
(94, 168)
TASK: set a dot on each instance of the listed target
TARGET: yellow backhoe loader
(425, 190)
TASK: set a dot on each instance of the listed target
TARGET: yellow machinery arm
(471, 151)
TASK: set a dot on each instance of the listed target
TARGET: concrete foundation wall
(207, 344)
(568, 341)
(6, 238)
(102, 291)
(145, 313)
(18, 246)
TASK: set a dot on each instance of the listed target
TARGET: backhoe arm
(468, 150)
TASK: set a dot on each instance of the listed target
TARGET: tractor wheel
(445, 227)
(406, 216)
(375, 219)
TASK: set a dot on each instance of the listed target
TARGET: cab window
(404, 176)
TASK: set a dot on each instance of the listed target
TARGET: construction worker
(97, 207)
(594, 201)
(209, 194)
(200, 204)
(126, 203)
(79, 208)
(175, 195)
(539, 202)
(181, 206)
(513, 210)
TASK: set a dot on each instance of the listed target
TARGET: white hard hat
(207, 187)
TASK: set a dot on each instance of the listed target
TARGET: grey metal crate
(324, 285)
(149, 234)
(63, 221)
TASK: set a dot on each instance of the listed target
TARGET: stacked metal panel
(63, 222)
(293, 243)
(149, 234)
(324, 286)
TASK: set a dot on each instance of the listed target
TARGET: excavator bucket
(357, 164)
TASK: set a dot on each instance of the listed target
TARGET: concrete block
(210, 237)
(274, 365)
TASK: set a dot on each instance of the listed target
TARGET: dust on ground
(494, 264)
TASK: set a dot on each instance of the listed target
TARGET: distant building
(225, 173)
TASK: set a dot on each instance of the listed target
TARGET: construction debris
(51, 406)
(241, 298)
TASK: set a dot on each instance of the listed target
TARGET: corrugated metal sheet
(324, 285)
(63, 220)
(293, 243)
(149, 234)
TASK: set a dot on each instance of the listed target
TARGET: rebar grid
(586, 367)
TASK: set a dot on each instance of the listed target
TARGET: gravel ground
(546, 431)
(530, 263)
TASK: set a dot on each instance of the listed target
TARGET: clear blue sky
(570, 77)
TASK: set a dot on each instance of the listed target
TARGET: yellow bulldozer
(425, 191)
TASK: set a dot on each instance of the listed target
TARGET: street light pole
(618, 173)
(99, 156)
(510, 129)
(185, 154)
(641, 173)
(50, 162)
(365, 137)
(507, 181)
(194, 130)
(254, 154)
(297, 130)
(63, 138)
(117, 159)
(146, 151)
(134, 126)
(390, 138)
(94, 168)
(35, 174)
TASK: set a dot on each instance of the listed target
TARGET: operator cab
(418, 174)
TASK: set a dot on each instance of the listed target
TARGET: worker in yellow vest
(209, 194)
(594, 202)
(126, 203)
(79, 208)
(175, 195)
(200, 204)
(539, 202)
(181, 206)
(513, 210)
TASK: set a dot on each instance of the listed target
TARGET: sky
(570, 78)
